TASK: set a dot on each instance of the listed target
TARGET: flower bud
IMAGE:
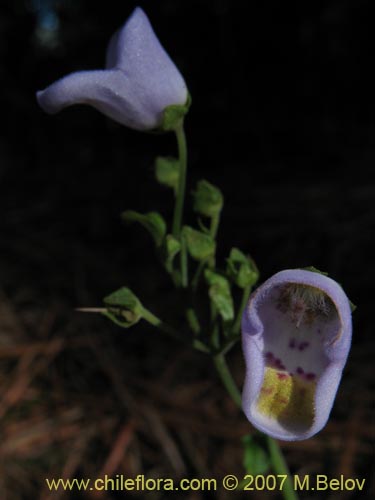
(141, 87)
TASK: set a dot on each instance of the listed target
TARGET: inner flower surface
(299, 321)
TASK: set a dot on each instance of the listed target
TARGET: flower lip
(139, 83)
(294, 363)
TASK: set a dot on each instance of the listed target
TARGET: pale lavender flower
(296, 333)
(139, 83)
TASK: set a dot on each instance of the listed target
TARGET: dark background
(282, 120)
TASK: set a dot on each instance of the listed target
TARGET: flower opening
(296, 336)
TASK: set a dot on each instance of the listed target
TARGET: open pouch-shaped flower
(296, 335)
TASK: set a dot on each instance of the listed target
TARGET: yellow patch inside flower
(287, 398)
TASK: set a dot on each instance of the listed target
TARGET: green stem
(197, 275)
(180, 196)
(278, 462)
(215, 220)
(184, 263)
(280, 467)
(158, 323)
(227, 379)
(230, 342)
(245, 297)
(213, 232)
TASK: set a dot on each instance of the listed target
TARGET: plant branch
(180, 196)
(227, 379)
(280, 467)
(158, 323)
(245, 298)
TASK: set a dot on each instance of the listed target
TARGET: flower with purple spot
(296, 335)
(140, 80)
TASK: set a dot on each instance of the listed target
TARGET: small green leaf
(242, 269)
(123, 307)
(255, 458)
(167, 171)
(152, 221)
(200, 245)
(173, 115)
(220, 294)
(170, 250)
(208, 199)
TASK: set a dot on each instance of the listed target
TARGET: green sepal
(167, 171)
(208, 199)
(200, 245)
(220, 294)
(170, 249)
(353, 307)
(152, 221)
(256, 460)
(314, 270)
(242, 269)
(173, 115)
(123, 307)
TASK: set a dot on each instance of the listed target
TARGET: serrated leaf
(255, 458)
(167, 171)
(220, 294)
(200, 245)
(152, 221)
(208, 199)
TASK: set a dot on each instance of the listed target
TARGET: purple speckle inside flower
(303, 345)
(306, 376)
(292, 317)
(274, 362)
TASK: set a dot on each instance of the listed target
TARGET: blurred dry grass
(73, 405)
